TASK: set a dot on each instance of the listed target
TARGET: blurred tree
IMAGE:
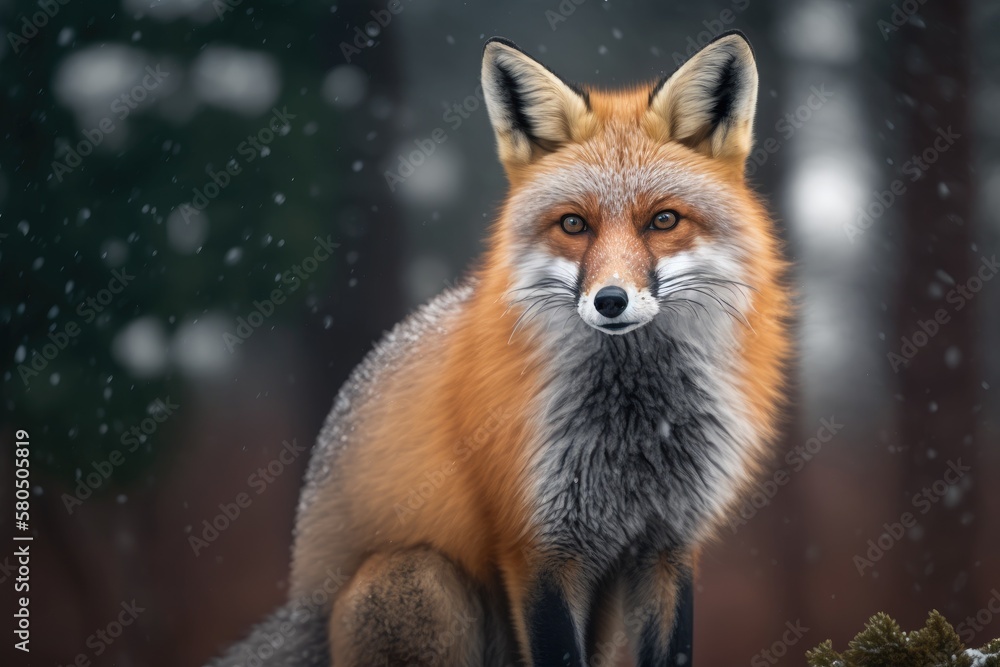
(128, 211)
(200, 205)
(939, 389)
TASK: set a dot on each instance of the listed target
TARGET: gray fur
(292, 636)
(637, 426)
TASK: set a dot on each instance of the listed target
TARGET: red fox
(524, 470)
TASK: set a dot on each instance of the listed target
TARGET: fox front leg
(550, 616)
(659, 612)
(554, 634)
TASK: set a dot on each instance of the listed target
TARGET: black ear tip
(501, 40)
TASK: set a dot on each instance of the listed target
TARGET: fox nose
(611, 301)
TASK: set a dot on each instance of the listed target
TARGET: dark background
(355, 112)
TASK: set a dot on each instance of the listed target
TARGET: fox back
(542, 450)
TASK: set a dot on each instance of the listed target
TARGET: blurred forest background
(165, 164)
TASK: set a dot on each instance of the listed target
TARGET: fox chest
(639, 446)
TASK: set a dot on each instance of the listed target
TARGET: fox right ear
(709, 103)
(532, 110)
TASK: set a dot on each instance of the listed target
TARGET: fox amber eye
(665, 220)
(573, 224)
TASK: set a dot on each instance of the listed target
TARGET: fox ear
(532, 110)
(709, 103)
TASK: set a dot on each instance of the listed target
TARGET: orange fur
(446, 445)
(479, 370)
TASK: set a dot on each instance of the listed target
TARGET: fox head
(628, 207)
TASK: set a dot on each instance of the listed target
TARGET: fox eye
(573, 224)
(665, 220)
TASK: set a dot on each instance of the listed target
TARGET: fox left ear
(709, 103)
(532, 110)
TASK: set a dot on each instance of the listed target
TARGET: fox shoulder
(389, 357)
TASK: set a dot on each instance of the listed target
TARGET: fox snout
(617, 308)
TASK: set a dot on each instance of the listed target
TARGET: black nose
(611, 301)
